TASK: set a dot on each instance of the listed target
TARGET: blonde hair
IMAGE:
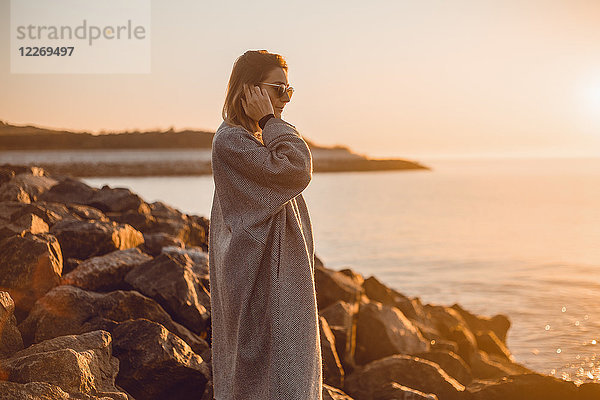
(249, 68)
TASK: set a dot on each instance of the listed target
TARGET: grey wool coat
(265, 332)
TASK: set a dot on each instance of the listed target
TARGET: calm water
(517, 237)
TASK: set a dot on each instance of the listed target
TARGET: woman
(265, 332)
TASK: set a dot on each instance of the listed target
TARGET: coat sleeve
(282, 165)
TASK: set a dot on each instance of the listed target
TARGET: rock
(202, 222)
(491, 344)
(21, 214)
(589, 390)
(142, 221)
(443, 319)
(77, 364)
(107, 272)
(32, 391)
(333, 393)
(332, 286)
(170, 280)
(155, 364)
(12, 192)
(87, 212)
(382, 331)
(199, 261)
(415, 373)
(525, 387)
(7, 171)
(395, 391)
(68, 310)
(159, 209)
(196, 254)
(30, 265)
(509, 367)
(377, 291)
(109, 199)
(69, 190)
(333, 373)
(355, 276)
(24, 185)
(161, 218)
(465, 340)
(339, 313)
(34, 184)
(499, 324)
(26, 223)
(450, 362)
(8, 209)
(318, 262)
(441, 344)
(10, 337)
(483, 367)
(155, 242)
(69, 265)
(84, 239)
(340, 317)
(209, 393)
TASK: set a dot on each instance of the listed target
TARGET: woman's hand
(257, 102)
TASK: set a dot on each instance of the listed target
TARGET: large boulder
(27, 223)
(332, 286)
(109, 199)
(155, 242)
(68, 310)
(32, 391)
(415, 373)
(77, 364)
(10, 337)
(377, 291)
(24, 184)
(333, 373)
(84, 239)
(499, 324)
(382, 331)
(156, 364)
(69, 190)
(450, 362)
(80, 211)
(171, 281)
(161, 218)
(443, 319)
(491, 344)
(106, 272)
(30, 265)
(340, 317)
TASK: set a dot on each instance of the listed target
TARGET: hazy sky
(411, 79)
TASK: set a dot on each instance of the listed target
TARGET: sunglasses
(281, 89)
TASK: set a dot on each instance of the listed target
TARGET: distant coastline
(18, 139)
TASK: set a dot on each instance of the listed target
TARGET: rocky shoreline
(106, 296)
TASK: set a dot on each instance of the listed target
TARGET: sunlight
(588, 108)
(592, 97)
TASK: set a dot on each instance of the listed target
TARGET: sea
(512, 236)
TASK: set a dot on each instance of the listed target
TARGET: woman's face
(276, 76)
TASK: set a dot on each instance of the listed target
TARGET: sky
(410, 79)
